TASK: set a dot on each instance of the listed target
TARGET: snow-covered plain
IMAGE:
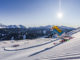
(41, 49)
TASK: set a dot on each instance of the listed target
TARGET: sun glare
(60, 15)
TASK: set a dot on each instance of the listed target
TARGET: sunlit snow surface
(42, 49)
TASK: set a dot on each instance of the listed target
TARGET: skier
(59, 33)
(56, 30)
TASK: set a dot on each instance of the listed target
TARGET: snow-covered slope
(2, 26)
(16, 26)
(74, 31)
(42, 49)
(11, 26)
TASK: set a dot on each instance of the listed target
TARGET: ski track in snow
(32, 46)
(36, 50)
(35, 53)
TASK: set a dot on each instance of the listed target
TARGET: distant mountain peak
(11, 26)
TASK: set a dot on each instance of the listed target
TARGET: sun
(60, 15)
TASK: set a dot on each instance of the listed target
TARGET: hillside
(41, 49)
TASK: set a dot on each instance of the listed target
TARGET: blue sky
(39, 12)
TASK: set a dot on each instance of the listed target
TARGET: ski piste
(16, 48)
(36, 50)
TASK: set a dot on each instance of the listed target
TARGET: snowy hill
(11, 26)
(41, 27)
(16, 26)
(74, 31)
(2, 26)
(41, 49)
